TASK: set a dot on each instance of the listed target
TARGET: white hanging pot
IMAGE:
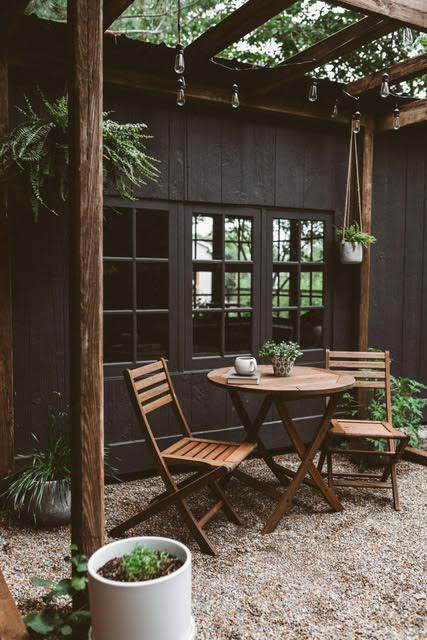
(350, 254)
(157, 609)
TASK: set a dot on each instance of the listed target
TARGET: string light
(408, 37)
(179, 65)
(396, 118)
(312, 93)
(180, 95)
(356, 122)
(334, 111)
(235, 96)
(385, 86)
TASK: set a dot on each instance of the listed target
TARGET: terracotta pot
(350, 255)
(282, 366)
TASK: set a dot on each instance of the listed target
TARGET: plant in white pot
(352, 241)
(282, 354)
(140, 589)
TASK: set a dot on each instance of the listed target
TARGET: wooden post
(367, 177)
(86, 400)
(6, 335)
(11, 624)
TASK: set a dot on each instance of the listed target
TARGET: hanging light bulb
(407, 38)
(235, 97)
(180, 96)
(334, 111)
(396, 119)
(356, 122)
(312, 93)
(385, 86)
(179, 65)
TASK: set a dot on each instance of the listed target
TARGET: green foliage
(354, 235)
(62, 621)
(288, 350)
(144, 564)
(406, 408)
(34, 157)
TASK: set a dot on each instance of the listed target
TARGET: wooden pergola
(94, 61)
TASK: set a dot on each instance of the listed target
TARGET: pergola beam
(412, 113)
(242, 21)
(340, 43)
(86, 218)
(399, 72)
(113, 9)
(412, 13)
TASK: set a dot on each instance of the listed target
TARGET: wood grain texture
(338, 44)
(11, 624)
(412, 113)
(406, 70)
(243, 20)
(6, 332)
(113, 9)
(86, 199)
(366, 215)
(409, 12)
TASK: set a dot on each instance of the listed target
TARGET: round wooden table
(305, 382)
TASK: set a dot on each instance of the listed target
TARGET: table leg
(307, 456)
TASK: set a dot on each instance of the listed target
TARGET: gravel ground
(320, 575)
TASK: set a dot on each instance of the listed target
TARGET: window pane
(281, 240)
(206, 333)
(311, 288)
(118, 338)
(312, 238)
(206, 288)
(238, 291)
(238, 238)
(152, 234)
(284, 325)
(238, 332)
(311, 328)
(118, 285)
(152, 336)
(206, 238)
(118, 232)
(282, 289)
(152, 285)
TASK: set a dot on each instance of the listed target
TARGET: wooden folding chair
(372, 371)
(150, 388)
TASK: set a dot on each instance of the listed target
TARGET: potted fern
(352, 241)
(141, 588)
(282, 354)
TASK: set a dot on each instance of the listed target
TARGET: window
(222, 291)
(137, 264)
(298, 281)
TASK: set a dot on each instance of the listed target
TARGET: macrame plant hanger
(352, 157)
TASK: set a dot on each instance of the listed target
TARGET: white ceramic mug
(245, 365)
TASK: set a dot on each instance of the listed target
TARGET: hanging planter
(353, 238)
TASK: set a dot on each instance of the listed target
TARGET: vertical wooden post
(367, 177)
(85, 124)
(6, 335)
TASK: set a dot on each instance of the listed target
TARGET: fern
(35, 155)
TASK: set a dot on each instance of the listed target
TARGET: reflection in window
(152, 336)
(118, 338)
(311, 288)
(285, 325)
(224, 286)
(312, 237)
(117, 285)
(152, 291)
(117, 232)
(312, 329)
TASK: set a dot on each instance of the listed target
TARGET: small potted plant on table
(141, 588)
(352, 241)
(282, 354)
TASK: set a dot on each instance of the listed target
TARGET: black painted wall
(223, 156)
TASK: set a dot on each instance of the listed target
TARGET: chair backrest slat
(355, 364)
(156, 404)
(148, 382)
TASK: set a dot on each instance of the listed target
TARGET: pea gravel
(320, 575)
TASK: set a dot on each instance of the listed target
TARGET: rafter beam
(340, 43)
(412, 13)
(242, 21)
(399, 72)
(113, 9)
(10, 14)
(412, 113)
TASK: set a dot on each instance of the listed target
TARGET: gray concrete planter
(55, 506)
(350, 255)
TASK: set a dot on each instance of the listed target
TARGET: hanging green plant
(34, 156)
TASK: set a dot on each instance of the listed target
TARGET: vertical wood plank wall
(224, 156)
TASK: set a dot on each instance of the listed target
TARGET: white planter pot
(152, 610)
(350, 255)
(55, 506)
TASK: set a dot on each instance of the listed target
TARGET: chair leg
(329, 466)
(227, 507)
(394, 487)
(201, 538)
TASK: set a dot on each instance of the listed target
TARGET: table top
(304, 382)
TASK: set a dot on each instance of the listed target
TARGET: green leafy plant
(288, 350)
(354, 235)
(144, 564)
(58, 621)
(34, 156)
